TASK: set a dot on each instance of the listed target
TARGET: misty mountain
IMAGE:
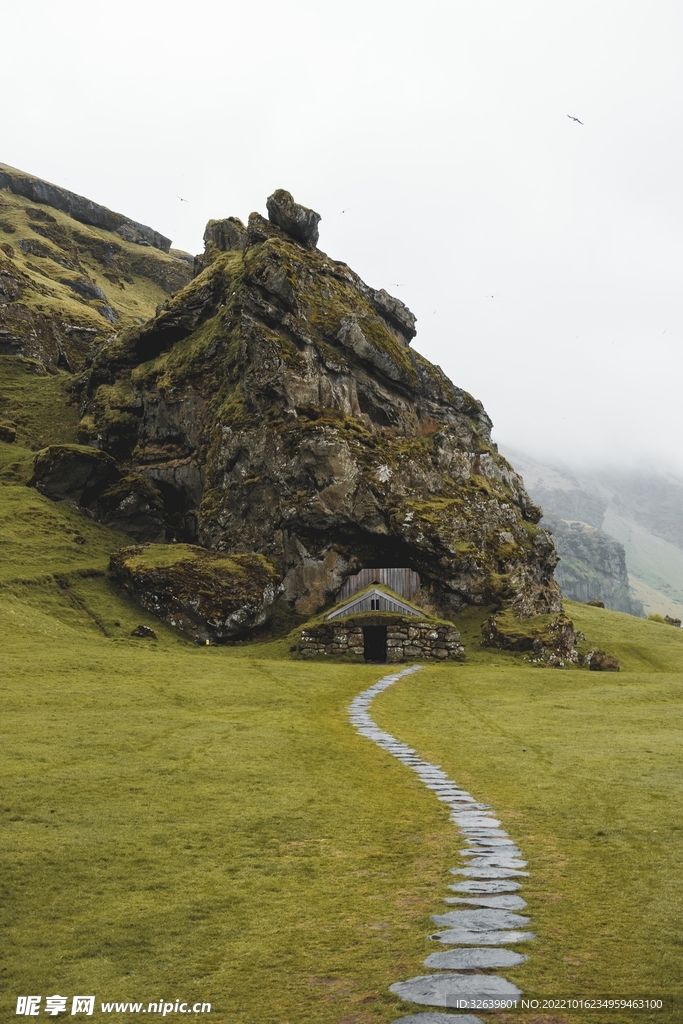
(641, 511)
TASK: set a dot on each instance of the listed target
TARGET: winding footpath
(487, 889)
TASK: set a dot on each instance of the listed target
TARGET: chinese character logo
(83, 1004)
(55, 1005)
(28, 1006)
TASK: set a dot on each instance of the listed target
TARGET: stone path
(491, 866)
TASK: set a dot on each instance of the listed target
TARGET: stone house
(376, 624)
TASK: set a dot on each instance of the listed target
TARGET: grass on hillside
(39, 404)
(62, 249)
(203, 823)
(584, 770)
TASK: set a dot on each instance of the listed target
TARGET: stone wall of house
(407, 640)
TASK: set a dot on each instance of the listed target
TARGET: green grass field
(204, 824)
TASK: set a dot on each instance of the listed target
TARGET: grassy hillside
(65, 285)
(203, 823)
(38, 404)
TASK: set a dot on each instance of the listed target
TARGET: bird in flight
(181, 199)
(490, 296)
(346, 210)
(574, 118)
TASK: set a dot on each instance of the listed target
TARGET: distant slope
(71, 279)
(653, 500)
(655, 563)
(592, 565)
(641, 510)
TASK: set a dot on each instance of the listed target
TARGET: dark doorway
(375, 643)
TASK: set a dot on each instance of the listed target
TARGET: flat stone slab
(451, 989)
(438, 1018)
(480, 832)
(495, 902)
(480, 920)
(473, 818)
(494, 841)
(487, 848)
(474, 959)
(496, 860)
(489, 872)
(486, 886)
(461, 937)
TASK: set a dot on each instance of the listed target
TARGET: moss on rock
(548, 639)
(207, 595)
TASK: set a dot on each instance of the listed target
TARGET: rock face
(592, 565)
(64, 282)
(276, 404)
(91, 479)
(207, 595)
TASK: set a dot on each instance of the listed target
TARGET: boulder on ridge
(294, 219)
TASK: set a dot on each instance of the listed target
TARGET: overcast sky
(441, 129)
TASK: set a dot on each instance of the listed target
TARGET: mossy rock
(209, 596)
(91, 479)
(135, 506)
(8, 431)
(73, 472)
(547, 639)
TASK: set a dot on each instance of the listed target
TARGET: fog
(441, 130)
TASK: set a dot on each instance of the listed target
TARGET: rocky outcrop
(295, 220)
(73, 472)
(549, 641)
(207, 595)
(598, 661)
(79, 208)
(90, 478)
(592, 565)
(64, 284)
(277, 402)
